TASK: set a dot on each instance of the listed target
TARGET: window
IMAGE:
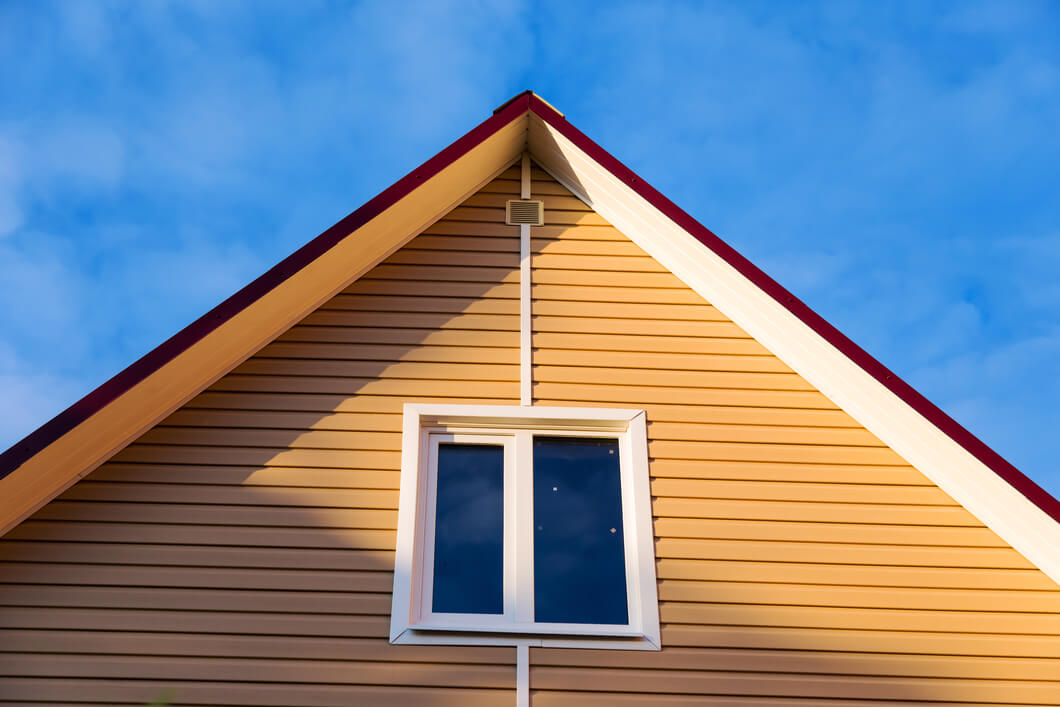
(524, 525)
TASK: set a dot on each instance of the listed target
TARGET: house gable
(90, 431)
(240, 551)
(822, 531)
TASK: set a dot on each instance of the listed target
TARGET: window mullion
(523, 555)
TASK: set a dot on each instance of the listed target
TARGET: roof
(84, 435)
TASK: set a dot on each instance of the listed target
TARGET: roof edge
(903, 390)
(26, 448)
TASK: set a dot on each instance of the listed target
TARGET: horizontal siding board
(368, 285)
(547, 188)
(810, 512)
(852, 574)
(473, 244)
(604, 277)
(411, 255)
(405, 388)
(80, 574)
(262, 623)
(733, 430)
(680, 441)
(472, 228)
(671, 379)
(803, 453)
(920, 598)
(405, 337)
(381, 369)
(244, 646)
(231, 694)
(652, 361)
(490, 199)
(589, 343)
(807, 686)
(265, 456)
(270, 419)
(197, 556)
(431, 273)
(248, 476)
(815, 531)
(413, 320)
(255, 437)
(862, 640)
(855, 618)
(630, 310)
(794, 491)
(553, 698)
(366, 537)
(220, 600)
(840, 553)
(553, 216)
(677, 421)
(579, 293)
(803, 661)
(266, 671)
(788, 471)
(228, 495)
(577, 232)
(317, 402)
(643, 396)
(423, 303)
(215, 514)
(392, 353)
(595, 247)
(614, 263)
(598, 325)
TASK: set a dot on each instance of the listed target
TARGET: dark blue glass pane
(579, 562)
(469, 530)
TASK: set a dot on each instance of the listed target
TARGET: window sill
(493, 637)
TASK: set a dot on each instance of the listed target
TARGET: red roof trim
(975, 446)
(95, 401)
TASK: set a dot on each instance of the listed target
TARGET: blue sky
(896, 165)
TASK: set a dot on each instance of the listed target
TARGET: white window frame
(424, 427)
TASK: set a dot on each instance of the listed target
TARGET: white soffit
(956, 471)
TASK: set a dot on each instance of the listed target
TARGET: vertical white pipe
(526, 396)
(522, 675)
(526, 382)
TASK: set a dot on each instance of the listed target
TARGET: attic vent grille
(530, 212)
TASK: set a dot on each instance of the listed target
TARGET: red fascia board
(136, 372)
(975, 446)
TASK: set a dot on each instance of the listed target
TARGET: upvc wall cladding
(241, 552)
(799, 559)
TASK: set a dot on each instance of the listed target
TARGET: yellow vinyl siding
(799, 559)
(241, 551)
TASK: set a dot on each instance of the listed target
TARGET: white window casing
(513, 427)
